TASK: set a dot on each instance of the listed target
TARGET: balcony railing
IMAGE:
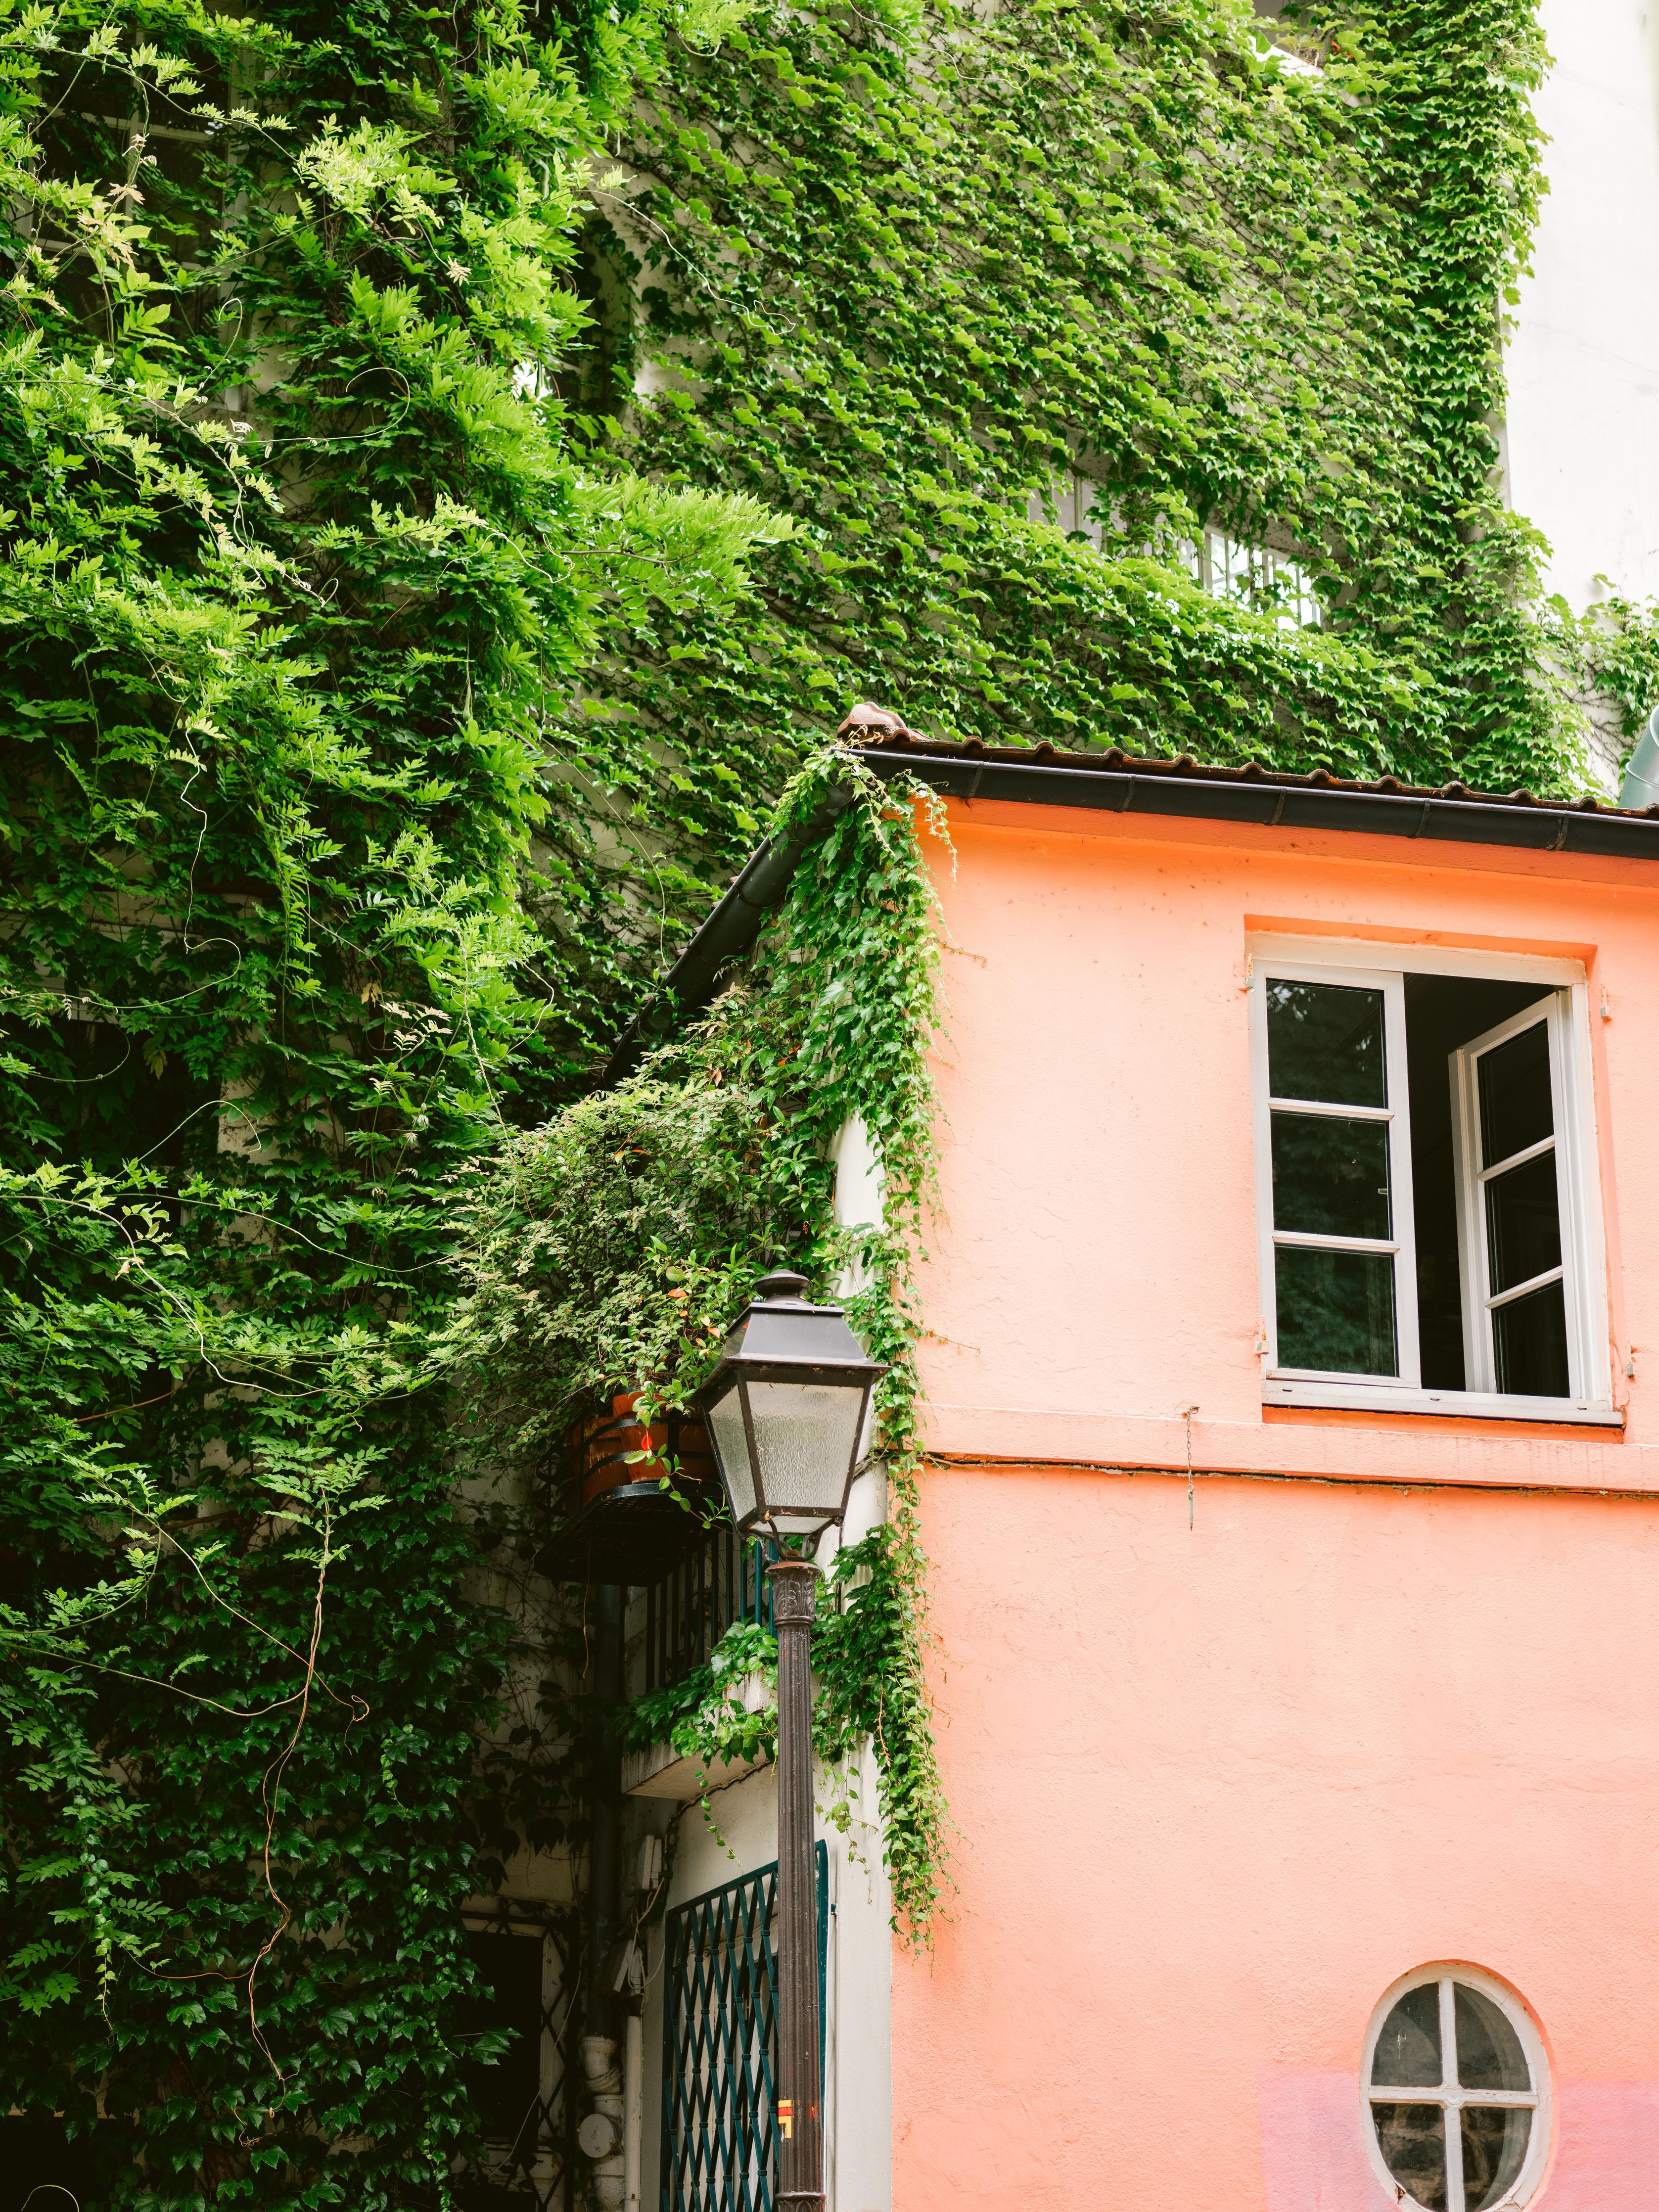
(691, 1607)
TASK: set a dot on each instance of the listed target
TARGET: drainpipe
(633, 2111)
(603, 1871)
(600, 2130)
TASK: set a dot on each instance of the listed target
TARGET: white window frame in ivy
(1258, 577)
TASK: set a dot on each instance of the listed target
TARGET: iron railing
(720, 2144)
(688, 1612)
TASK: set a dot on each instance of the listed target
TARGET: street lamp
(786, 1410)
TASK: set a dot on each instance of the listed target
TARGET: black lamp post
(787, 1410)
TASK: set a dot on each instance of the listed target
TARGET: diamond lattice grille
(719, 2044)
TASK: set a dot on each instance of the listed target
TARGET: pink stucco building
(1295, 1518)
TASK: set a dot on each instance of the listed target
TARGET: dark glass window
(1407, 2055)
(506, 2012)
(1476, 1266)
(1451, 2113)
(1325, 1040)
(1336, 1309)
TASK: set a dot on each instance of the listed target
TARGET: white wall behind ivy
(1583, 361)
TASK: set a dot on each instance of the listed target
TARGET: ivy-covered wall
(293, 551)
(382, 699)
(899, 287)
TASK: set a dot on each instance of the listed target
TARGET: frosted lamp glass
(725, 1418)
(805, 1433)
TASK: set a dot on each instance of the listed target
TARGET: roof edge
(1115, 783)
(1269, 802)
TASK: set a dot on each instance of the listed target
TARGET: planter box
(610, 1450)
(659, 1771)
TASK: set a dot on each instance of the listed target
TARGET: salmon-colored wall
(1392, 1699)
(1095, 1269)
(1216, 1789)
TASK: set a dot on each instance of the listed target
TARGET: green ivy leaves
(1132, 246)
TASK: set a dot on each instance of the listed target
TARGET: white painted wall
(858, 2057)
(860, 1184)
(1582, 360)
(859, 2051)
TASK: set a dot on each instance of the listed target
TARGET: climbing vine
(607, 1251)
(1614, 648)
(451, 469)
(295, 912)
(919, 293)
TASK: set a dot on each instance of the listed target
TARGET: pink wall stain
(1313, 2159)
(1607, 2157)
(1607, 2149)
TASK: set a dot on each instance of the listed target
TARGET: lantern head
(787, 1410)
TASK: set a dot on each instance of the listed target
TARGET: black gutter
(1536, 828)
(731, 929)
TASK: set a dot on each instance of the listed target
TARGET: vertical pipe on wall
(604, 1877)
(633, 2111)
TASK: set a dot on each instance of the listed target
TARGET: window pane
(1408, 2048)
(731, 1445)
(1336, 1311)
(1516, 1110)
(1330, 1174)
(1489, 2053)
(1412, 2141)
(1494, 2145)
(1325, 1042)
(1523, 1223)
(1531, 1340)
(508, 1995)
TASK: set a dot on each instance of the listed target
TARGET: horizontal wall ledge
(1315, 1444)
(1460, 1405)
(659, 1771)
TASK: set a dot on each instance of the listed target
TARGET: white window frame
(1568, 1145)
(1401, 1245)
(1450, 2096)
(1258, 577)
(1375, 966)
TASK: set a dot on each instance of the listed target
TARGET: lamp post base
(801, 2200)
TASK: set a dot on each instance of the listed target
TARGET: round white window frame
(1518, 2013)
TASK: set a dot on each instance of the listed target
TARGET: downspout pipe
(633, 2111)
(604, 1869)
(1641, 785)
(730, 930)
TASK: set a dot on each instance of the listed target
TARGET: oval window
(1456, 2092)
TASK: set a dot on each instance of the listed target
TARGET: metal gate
(529, 2162)
(720, 2149)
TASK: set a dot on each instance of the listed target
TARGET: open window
(1426, 1198)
